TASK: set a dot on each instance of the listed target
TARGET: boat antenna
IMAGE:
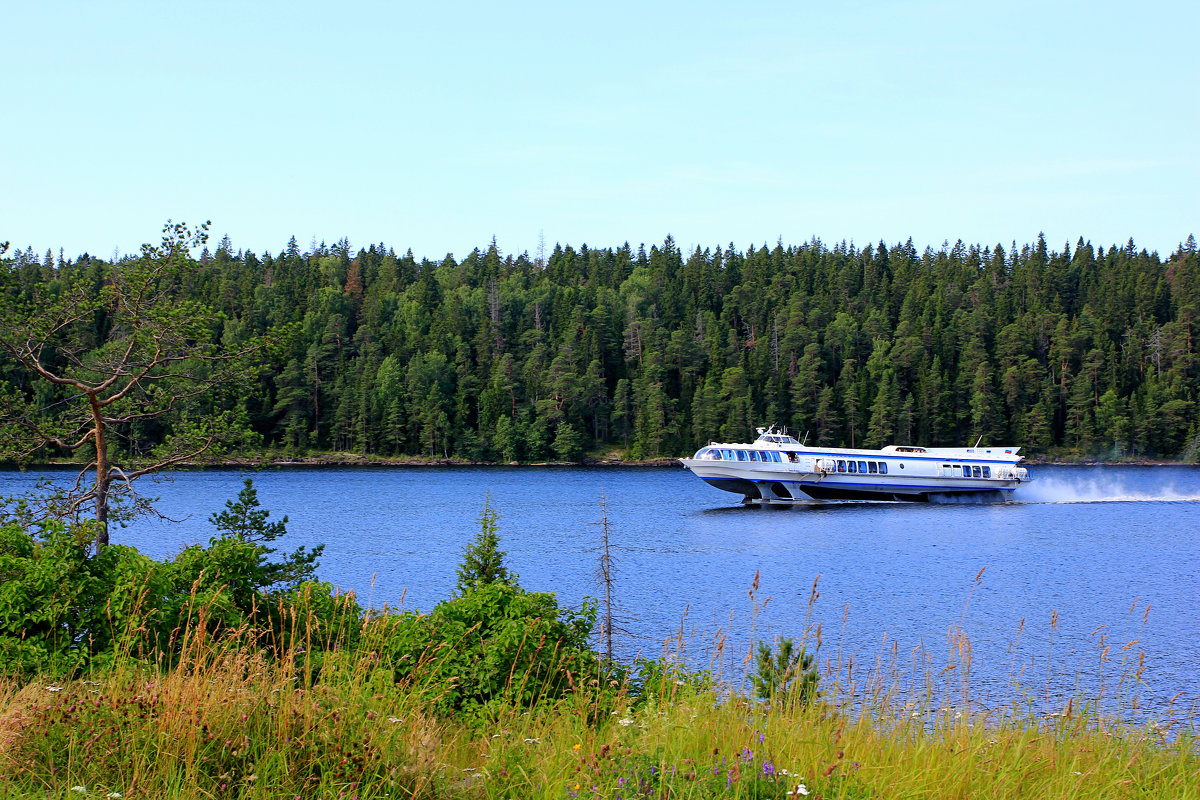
(805, 439)
(980, 439)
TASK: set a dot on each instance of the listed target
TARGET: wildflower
(768, 769)
(532, 741)
(80, 789)
(57, 689)
(115, 795)
(577, 746)
(625, 721)
(394, 719)
(800, 791)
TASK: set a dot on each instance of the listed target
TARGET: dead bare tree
(611, 622)
(119, 346)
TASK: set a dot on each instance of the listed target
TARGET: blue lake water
(1086, 559)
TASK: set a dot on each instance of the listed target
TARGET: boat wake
(1054, 489)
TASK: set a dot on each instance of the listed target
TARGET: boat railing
(1012, 473)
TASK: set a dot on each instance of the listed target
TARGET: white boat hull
(788, 472)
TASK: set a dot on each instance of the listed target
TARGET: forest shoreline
(356, 460)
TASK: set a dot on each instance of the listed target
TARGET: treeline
(1085, 351)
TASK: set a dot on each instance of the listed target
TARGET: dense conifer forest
(1078, 352)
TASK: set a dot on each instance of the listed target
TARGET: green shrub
(60, 606)
(64, 607)
(496, 643)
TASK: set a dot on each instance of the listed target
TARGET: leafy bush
(495, 643)
(60, 606)
(660, 681)
(63, 607)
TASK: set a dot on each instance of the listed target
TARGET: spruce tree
(483, 560)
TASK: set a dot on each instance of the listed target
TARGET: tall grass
(318, 712)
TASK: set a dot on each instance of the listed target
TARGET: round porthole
(901, 466)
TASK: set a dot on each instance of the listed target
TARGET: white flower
(800, 791)
(395, 719)
(59, 689)
(532, 741)
(80, 789)
(114, 794)
(625, 721)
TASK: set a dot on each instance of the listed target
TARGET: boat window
(728, 455)
(873, 467)
(753, 455)
(862, 466)
(883, 468)
(841, 466)
(853, 467)
(975, 472)
(741, 454)
(791, 456)
(987, 472)
(776, 457)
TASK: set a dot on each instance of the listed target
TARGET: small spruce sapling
(245, 521)
(785, 675)
(483, 561)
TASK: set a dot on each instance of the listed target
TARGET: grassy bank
(228, 721)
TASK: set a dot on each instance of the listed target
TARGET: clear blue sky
(438, 125)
